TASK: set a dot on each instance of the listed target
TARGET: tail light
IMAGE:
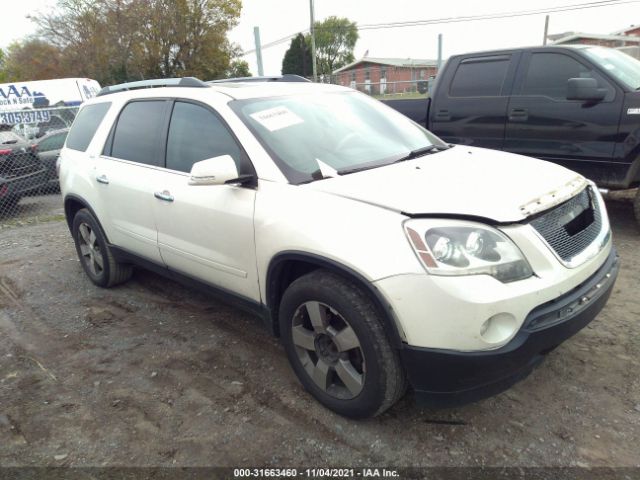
(34, 147)
(5, 152)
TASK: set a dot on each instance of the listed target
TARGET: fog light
(498, 328)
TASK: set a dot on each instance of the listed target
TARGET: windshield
(320, 135)
(620, 65)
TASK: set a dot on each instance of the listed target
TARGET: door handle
(102, 179)
(443, 115)
(519, 115)
(165, 195)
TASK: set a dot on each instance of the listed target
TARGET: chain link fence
(30, 143)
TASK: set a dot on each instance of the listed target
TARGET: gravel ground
(153, 374)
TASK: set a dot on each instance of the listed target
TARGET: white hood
(500, 186)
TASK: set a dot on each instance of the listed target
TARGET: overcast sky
(279, 18)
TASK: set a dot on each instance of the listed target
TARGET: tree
(33, 59)
(335, 40)
(3, 73)
(121, 40)
(238, 69)
(297, 59)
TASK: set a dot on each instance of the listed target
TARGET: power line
(469, 18)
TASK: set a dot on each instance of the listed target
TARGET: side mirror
(584, 89)
(214, 171)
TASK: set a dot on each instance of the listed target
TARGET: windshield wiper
(347, 171)
(419, 152)
(410, 156)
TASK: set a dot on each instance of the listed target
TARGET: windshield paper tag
(277, 118)
(633, 111)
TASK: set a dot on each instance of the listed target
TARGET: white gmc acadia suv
(380, 255)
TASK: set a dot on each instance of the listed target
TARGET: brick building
(385, 75)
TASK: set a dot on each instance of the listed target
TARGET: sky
(280, 18)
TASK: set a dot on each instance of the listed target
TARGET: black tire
(110, 272)
(383, 380)
(636, 207)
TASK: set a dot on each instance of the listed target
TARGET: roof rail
(275, 78)
(163, 82)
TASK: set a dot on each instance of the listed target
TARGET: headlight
(448, 247)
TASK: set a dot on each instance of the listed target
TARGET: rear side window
(548, 74)
(481, 77)
(85, 125)
(138, 132)
(196, 134)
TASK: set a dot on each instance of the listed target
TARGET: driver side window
(196, 134)
(548, 74)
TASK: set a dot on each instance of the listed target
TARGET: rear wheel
(93, 251)
(337, 346)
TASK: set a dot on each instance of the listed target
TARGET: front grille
(572, 226)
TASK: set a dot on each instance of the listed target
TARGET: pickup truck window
(548, 74)
(481, 77)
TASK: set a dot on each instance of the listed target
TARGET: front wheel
(337, 346)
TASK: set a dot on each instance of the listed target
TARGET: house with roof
(627, 37)
(385, 75)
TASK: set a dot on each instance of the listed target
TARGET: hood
(468, 181)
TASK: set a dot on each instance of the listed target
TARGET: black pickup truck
(578, 106)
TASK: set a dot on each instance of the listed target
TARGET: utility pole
(256, 36)
(546, 30)
(313, 42)
(439, 51)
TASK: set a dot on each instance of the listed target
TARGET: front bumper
(447, 377)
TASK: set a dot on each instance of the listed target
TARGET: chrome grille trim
(573, 251)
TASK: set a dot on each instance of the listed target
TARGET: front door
(205, 231)
(542, 123)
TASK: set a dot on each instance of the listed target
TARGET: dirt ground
(153, 374)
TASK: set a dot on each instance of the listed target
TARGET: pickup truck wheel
(335, 341)
(636, 206)
(93, 251)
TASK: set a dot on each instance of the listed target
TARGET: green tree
(120, 40)
(335, 40)
(3, 73)
(297, 59)
(238, 68)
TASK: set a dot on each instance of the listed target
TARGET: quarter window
(138, 132)
(481, 77)
(197, 134)
(85, 125)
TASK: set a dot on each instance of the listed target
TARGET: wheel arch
(287, 266)
(74, 203)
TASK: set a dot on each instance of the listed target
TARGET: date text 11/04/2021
(315, 472)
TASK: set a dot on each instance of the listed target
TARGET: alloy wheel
(90, 249)
(329, 350)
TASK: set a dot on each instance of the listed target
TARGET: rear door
(128, 172)
(471, 100)
(205, 231)
(543, 123)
